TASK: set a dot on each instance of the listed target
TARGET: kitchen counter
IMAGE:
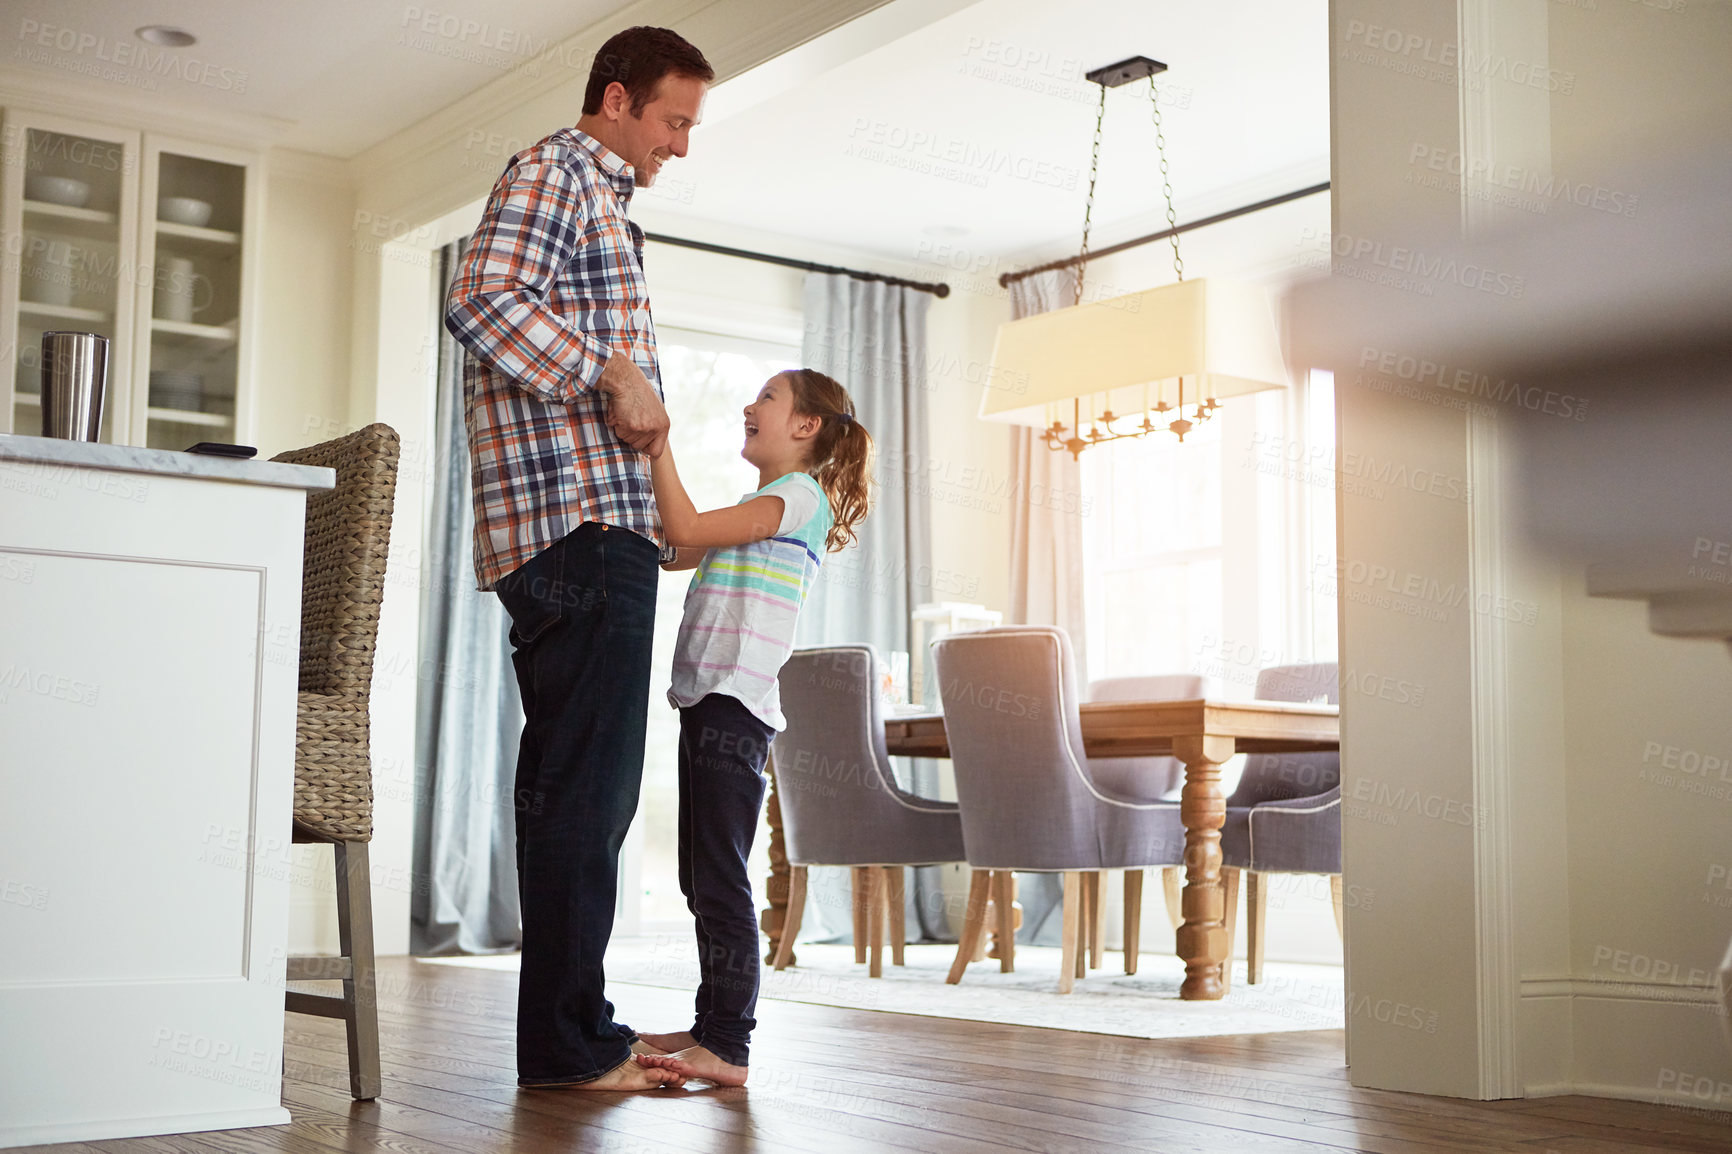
(48, 452)
(149, 649)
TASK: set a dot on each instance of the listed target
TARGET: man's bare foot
(663, 1043)
(625, 1077)
(696, 1062)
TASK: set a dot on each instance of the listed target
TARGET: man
(563, 396)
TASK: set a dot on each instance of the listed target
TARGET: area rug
(1291, 996)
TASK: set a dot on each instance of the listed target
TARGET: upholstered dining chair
(342, 582)
(1284, 817)
(841, 805)
(1147, 779)
(1029, 797)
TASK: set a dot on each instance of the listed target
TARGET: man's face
(664, 129)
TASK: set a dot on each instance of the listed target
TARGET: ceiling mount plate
(1126, 71)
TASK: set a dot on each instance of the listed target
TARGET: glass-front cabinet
(150, 242)
(190, 341)
(70, 197)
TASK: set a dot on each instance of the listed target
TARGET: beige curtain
(1046, 561)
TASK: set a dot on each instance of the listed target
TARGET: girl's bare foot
(696, 1062)
(663, 1043)
(625, 1077)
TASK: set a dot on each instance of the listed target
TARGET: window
(1319, 563)
(1215, 555)
(1153, 543)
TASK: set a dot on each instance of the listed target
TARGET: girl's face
(775, 433)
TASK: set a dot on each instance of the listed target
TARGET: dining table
(1201, 733)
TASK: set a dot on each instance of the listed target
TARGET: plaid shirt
(551, 284)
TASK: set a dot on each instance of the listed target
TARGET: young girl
(755, 561)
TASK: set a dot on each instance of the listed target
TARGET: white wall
(1564, 936)
(302, 364)
(1650, 916)
(1414, 949)
(302, 367)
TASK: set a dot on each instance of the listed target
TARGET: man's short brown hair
(638, 58)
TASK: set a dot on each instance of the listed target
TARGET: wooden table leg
(775, 914)
(1202, 940)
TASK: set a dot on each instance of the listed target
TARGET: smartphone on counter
(218, 449)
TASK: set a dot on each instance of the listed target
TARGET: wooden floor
(831, 1081)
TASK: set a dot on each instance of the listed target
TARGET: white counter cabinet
(149, 640)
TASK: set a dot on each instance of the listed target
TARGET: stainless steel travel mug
(74, 385)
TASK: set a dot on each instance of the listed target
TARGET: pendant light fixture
(1129, 366)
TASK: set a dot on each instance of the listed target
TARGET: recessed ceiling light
(165, 36)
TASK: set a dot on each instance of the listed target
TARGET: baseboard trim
(1548, 1090)
(1604, 989)
(1671, 1099)
(1591, 1003)
(98, 1130)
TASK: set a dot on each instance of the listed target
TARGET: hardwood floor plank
(551, 1115)
(1686, 1122)
(1236, 1108)
(828, 1080)
(1635, 1143)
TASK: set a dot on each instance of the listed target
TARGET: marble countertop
(161, 462)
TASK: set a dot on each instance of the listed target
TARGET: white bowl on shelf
(43, 286)
(177, 389)
(184, 210)
(61, 190)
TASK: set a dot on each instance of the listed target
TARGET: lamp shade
(1219, 335)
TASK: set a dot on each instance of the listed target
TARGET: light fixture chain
(1161, 147)
(1089, 208)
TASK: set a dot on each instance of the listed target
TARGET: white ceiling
(922, 124)
(343, 74)
(974, 130)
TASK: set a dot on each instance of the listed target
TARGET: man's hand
(634, 412)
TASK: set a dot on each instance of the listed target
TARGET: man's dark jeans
(583, 615)
(722, 752)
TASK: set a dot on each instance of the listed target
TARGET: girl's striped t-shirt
(741, 606)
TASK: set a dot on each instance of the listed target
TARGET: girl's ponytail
(841, 452)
